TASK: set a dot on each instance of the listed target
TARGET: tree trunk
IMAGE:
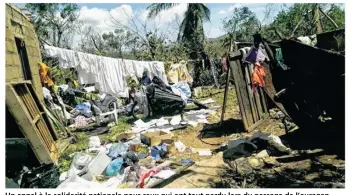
(59, 35)
(120, 52)
(317, 19)
(54, 37)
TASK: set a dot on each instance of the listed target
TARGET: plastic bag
(117, 149)
(180, 146)
(94, 142)
(114, 167)
(97, 166)
(276, 142)
(75, 182)
(79, 163)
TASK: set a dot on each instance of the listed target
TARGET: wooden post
(225, 95)
(227, 84)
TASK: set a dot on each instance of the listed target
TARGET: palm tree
(191, 29)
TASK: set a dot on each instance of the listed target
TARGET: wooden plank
(35, 120)
(251, 128)
(23, 97)
(22, 118)
(263, 101)
(241, 91)
(233, 66)
(55, 121)
(63, 144)
(43, 133)
(252, 104)
(225, 96)
(40, 108)
(245, 95)
(32, 107)
(22, 94)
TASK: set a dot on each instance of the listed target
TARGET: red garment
(258, 76)
(145, 175)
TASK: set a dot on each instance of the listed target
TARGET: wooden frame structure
(32, 120)
(253, 105)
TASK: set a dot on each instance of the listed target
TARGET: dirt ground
(207, 171)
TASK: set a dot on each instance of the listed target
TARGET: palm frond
(188, 26)
(156, 8)
(204, 12)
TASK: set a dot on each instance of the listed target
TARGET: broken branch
(331, 20)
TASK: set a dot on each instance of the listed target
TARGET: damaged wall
(24, 95)
(18, 29)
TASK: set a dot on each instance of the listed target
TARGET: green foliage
(54, 22)
(309, 17)
(338, 15)
(241, 25)
(215, 49)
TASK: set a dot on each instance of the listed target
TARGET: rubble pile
(298, 169)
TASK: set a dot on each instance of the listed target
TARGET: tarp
(109, 74)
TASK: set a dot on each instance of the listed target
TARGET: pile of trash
(138, 158)
(134, 160)
(263, 161)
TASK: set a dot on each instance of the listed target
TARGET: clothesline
(109, 74)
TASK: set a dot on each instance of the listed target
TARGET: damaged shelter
(31, 141)
(288, 72)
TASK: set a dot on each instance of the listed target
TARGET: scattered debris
(180, 146)
(204, 152)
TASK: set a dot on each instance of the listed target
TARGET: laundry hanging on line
(109, 74)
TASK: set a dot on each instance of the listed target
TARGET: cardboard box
(155, 138)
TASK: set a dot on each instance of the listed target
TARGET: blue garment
(186, 161)
(184, 89)
(83, 107)
(158, 151)
(146, 80)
